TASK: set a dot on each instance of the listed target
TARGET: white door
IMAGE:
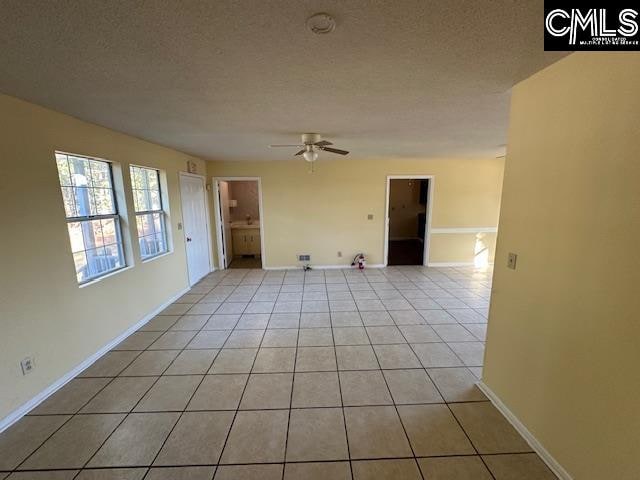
(225, 221)
(194, 220)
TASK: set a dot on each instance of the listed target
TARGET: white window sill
(151, 259)
(110, 274)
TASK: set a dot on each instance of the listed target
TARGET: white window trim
(112, 273)
(117, 216)
(156, 257)
(163, 211)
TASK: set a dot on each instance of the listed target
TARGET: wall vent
(304, 258)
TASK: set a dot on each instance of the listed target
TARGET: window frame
(80, 219)
(161, 211)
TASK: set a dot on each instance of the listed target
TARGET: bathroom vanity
(245, 238)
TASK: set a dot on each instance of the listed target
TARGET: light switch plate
(370, 216)
(511, 261)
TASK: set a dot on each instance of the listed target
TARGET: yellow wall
(464, 247)
(42, 311)
(326, 211)
(563, 348)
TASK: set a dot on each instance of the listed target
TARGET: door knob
(188, 239)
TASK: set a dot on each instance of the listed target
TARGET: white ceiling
(223, 79)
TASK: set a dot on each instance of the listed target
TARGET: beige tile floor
(332, 374)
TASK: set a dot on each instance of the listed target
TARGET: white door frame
(207, 223)
(218, 222)
(427, 227)
(221, 233)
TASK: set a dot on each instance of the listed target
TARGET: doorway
(195, 221)
(239, 226)
(408, 210)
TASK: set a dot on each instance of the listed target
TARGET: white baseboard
(374, 265)
(342, 267)
(323, 267)
(533, 442)
(26, 407)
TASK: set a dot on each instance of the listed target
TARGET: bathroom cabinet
(246, 241)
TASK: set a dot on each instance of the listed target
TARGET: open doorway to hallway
(407, 220)
(238, 222)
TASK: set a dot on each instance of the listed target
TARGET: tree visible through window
(147, 202)
(92, 215)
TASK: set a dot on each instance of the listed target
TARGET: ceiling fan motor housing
(311, 138)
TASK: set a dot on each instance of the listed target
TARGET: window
(147, 202)
(92, 215)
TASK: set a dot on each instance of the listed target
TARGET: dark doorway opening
(407, 221)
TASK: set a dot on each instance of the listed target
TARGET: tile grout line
(296, 408)
(131, 411)
(246, 382)
(464, 431)
(309, 328)
(180, 465)
(435, 385)
(77, 413)
(186, 405)
(235, 415)
(215, 470)
(72, 415)
(344, 417)
(454, 416)
(293, 379)
(240, 283)
(394, 405)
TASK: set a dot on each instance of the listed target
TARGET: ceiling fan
(311, 144)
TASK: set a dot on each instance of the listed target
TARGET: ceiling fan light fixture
(312, 144)
(310, 155)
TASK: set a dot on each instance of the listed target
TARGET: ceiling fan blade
(334, 150)
(276, 146)
(322, 143)
(300, 152)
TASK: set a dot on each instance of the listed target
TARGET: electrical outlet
(304, 258)
(340, 254)
(27, 364)
(370, 216)
(511, 261)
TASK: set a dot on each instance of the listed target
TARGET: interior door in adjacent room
(195, 225)
(225, 222)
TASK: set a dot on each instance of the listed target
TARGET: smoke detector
(321, 23)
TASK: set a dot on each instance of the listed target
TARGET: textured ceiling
(223, 79)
